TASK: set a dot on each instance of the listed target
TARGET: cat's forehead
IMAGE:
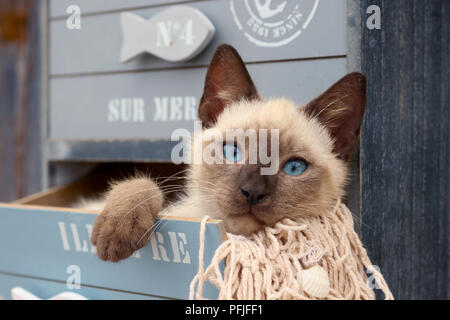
(295, 127)
(271, 114)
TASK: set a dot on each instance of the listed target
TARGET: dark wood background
(405, 155)
(20, 147)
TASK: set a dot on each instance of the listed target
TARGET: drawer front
(319, 31)
(58, 8)
(152, 104)
(45, 289)
(54, 245)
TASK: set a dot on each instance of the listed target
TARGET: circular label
(273, 23)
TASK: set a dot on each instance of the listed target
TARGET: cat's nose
(254, 187)
(253, 196)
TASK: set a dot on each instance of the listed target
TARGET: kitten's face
(311, 166)
(285, 195)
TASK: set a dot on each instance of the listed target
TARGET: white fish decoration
(175, 34)
(316, 282)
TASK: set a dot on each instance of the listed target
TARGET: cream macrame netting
(316, 257)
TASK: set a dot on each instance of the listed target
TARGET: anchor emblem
(265, 11)
(273, 24)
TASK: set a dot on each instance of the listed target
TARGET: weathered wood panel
(96, 46)
(19, 99)
(151, 105)
(58, 7)
(405, 153)
(55, 239)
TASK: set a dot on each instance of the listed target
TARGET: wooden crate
(44, 245)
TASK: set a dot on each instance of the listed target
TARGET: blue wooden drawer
(45, 248)
(151, 105)
(319, 29)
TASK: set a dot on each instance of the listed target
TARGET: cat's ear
(227, 81)
(341, 109)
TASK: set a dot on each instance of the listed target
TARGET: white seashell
(316, 282)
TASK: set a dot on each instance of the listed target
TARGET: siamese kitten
(316, 142)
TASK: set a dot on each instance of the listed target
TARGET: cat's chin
(244, 223)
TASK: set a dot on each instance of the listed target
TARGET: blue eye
(295, 167)
(232, 152)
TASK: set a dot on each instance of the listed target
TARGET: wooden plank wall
(20, 148)
(405, 152)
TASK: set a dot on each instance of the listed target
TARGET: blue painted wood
(44, 243)
(46, 289)
(58, 7)
(151, 105)
(110, 150)
(96, 46)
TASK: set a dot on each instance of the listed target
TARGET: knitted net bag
(315, 257)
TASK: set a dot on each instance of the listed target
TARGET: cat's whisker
(152, 229)
(332, 103)
(140, 204)
(174, 188)
(151, 189)
(360, 222)
(176, 176)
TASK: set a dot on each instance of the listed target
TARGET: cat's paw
(125, 224)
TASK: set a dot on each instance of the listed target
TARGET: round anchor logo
(273, 23)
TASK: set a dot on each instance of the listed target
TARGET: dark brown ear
(341, 109)
(227, 81)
